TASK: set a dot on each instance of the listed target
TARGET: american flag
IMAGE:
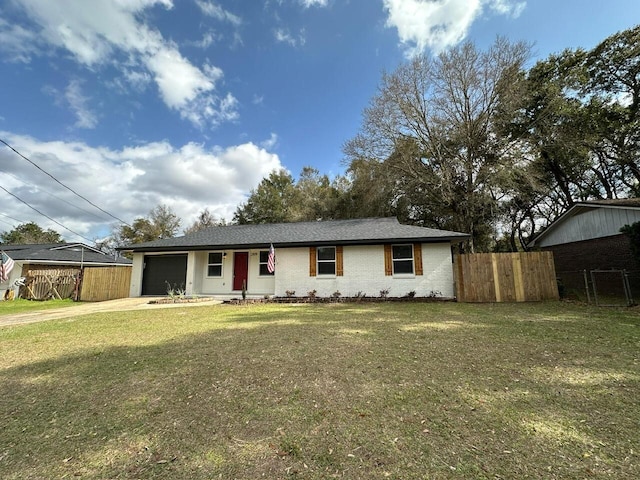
(6, 265)
(271, 261)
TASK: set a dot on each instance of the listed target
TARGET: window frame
(266, 273)
(403, 259)
(215, 264)
(333, 261)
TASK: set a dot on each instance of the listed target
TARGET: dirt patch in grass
(324, 391)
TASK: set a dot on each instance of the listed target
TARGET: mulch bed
(236, 301)
(163, 301)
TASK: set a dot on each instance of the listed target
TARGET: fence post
(586, 286)
(627, 288)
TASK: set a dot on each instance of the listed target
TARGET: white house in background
(350, 256)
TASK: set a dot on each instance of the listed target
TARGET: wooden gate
(93, 284)
(105, 283)
(50, 283)
(505, 277)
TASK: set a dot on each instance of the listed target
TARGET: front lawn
(20, 305)
(357, 391)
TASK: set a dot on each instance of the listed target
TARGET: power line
(12, 225)
(59, 182)
(54, 196)
(45, 215)
(12, 218)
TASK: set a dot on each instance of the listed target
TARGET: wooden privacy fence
(505, 277)
(105, 283)
(94, 284)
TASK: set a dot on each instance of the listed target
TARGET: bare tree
(205, 220)
(432, 124)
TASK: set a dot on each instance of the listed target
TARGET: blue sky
(190, 103)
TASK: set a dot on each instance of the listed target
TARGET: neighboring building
(55, 256)
(361, 256)
(587, 236)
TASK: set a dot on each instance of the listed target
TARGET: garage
(160, 270)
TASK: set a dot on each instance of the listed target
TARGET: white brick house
(361, 256)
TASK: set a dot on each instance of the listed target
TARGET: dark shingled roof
(613, 202)
(335, 232)
(61, 253)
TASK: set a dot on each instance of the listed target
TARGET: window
(264, 258)
(214, 265)
(326, 260)
(402, 259)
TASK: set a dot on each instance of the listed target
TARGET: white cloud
(510, 8)
(270, 143)
(179, 81)
(216, 11)
(314, 3)
(438, 24)
(79, 105)
(94, 32)
(74, 99)
(18, 43)
(138, 79)
(130, 181)
(284, 36)
(206, 41)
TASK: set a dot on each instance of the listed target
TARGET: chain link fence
(600, 287)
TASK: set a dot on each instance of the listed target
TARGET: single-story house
(58, 256)
(359, 256)
(588, 237)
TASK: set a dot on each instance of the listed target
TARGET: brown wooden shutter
(339, 262)
(312, 261)
(417, 258)
(388, 260)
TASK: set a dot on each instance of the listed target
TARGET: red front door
(240, 270)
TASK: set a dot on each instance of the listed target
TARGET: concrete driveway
(120, 305)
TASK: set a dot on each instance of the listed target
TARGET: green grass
(357, 391)
(21, 305)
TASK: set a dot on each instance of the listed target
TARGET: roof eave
(182, 248)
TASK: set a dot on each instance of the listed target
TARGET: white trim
(75, 263)
(411, 274)
(67, 246)
(260, 263)
(334, 261)
(222, 257)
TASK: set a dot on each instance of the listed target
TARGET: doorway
(240, 270)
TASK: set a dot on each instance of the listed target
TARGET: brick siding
(599, 253)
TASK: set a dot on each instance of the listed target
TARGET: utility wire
(54, 196)
(12, 225)
(12, 218)
(59, 182)
(45, 215)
